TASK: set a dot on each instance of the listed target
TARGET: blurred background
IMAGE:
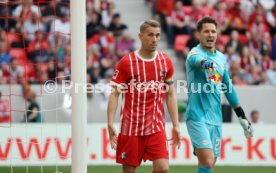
(35, 61)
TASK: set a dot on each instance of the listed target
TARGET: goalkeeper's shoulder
(221, 55)
(193, 51)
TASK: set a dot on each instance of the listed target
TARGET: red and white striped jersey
(143, 86)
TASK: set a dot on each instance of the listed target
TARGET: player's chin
(153, 49)
(210, 45)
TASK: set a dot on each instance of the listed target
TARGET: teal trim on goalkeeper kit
(203, 169)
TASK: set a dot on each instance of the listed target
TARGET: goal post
(79, 97)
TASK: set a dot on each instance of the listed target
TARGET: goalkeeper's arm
(232, 98)
(246, 125)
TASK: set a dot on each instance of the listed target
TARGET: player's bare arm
(111, 111)
(172, 108)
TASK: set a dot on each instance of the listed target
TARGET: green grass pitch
(142, 169)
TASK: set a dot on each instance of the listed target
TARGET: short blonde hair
(149, 23)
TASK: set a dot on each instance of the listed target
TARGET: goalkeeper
(207, 77)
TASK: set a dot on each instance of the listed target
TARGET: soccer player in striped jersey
(207, 77)
(144, 78)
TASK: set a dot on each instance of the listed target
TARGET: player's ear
(140, 35)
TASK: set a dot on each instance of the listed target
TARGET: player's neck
(210, 50)
(146, 54)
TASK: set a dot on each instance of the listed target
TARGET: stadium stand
(252, 22)
(33, 35)
(253, 27)
(178, 18)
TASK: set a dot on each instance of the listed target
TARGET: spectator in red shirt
(259, 26)
(197, 13)
(164, 8)
(5, 115)
(101, 43)
(177, 23)
(247, 58)
(220, 15)
(237, 18)
(254, 43)
(266, 63)
(38, 48)
(259, 11)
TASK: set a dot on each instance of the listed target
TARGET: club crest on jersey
(123, 155)
(115, 74)
(194, 51)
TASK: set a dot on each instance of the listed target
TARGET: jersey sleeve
(120, 75)
(170, 72)
(230, 92)
(194, 58)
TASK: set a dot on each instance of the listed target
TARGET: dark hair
(254, 112)
(116, 15)
(204, 20)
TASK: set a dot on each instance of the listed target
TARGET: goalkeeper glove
(246, 125)
(207, 64)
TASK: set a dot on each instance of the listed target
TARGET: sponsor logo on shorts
(217, 146)
(123, 155)
(205, 142)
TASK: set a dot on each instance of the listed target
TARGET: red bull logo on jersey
(215, 78)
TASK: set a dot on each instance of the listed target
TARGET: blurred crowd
(247, 33)
(35, 37)
(35, 40)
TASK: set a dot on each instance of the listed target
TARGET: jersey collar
(146, 59)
